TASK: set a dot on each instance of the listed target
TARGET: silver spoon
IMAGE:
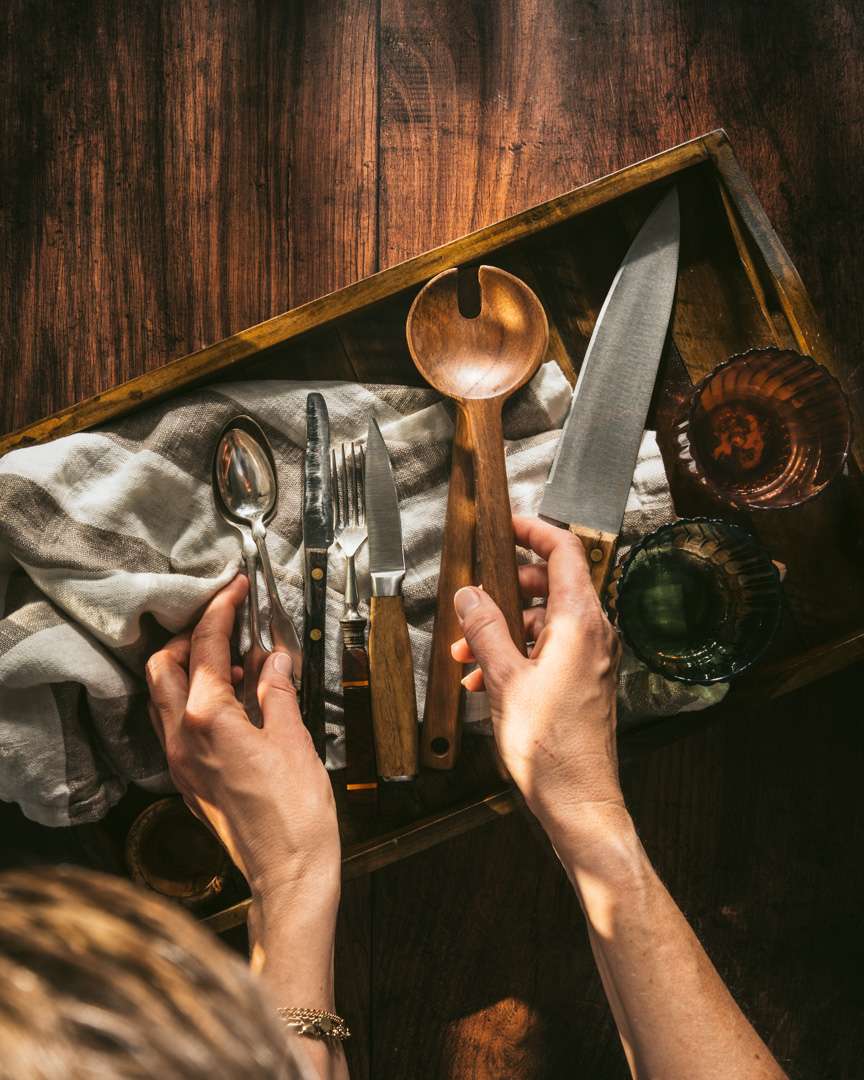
(246, 491)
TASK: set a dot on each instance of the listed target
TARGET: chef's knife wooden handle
(394, 702)
(496, 545)
(600, 550)
(361, 775)
(441, 731)
(312, 684)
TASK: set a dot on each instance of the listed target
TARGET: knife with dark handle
(394, 701)
(590, 478)
(317, 538)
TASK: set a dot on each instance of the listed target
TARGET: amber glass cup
(766, 430)
(698, 600)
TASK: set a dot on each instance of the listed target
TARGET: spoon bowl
(484, 357)
(245, 473)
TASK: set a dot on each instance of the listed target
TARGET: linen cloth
(110, 542)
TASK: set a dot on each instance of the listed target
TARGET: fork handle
(361, 775)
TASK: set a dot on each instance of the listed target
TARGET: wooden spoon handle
(496, 545)
(441, 733)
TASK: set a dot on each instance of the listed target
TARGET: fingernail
(282, 664)
(465, 599)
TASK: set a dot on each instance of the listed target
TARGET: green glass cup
(698, 600)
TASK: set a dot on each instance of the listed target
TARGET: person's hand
(553, 713)
(264, 791)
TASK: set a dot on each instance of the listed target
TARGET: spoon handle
(441, 731)
(256, 654)
(496, 545)
(282, 628)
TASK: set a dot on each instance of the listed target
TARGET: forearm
(291, 937)
(674, 1013)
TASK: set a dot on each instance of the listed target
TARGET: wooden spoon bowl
(488, 356)
(480, 362)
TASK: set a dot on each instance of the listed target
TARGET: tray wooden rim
(212, 359)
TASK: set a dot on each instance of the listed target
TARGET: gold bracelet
(315, 1023)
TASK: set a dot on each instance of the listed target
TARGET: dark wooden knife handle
(312, 688)
(600, 550)
(394, 701)
(361, 774)
(441, 731)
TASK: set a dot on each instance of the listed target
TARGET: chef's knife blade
(317, 538)
(592, 472)
(391, 668)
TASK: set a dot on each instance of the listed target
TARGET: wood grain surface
(174, 173)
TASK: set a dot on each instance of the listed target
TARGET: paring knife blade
(394, 701)
(382, 508)
(590, 478)
(317, 538)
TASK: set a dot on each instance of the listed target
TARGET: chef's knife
(394, 702)
(592, 472)
(317, 538)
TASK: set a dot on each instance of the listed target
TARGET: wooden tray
(737, 288)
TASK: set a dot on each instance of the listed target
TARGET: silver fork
(347, 480)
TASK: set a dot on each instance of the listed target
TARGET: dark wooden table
(172, 173)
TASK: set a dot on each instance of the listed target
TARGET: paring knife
(317, 538)
(592, 472)
(394, 702)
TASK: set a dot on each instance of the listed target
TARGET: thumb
(486, 632)
(277, 694)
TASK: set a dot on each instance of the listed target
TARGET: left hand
(263, 791)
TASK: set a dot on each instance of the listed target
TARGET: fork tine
(361, 486)
(334, 490)
(346, 486)
(355, 492)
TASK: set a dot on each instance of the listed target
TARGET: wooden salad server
(479, 362)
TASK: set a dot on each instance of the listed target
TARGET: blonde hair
(100, 979)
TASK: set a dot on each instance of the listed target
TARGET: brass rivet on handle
(317, 573)
(596, 554)
(315, 634)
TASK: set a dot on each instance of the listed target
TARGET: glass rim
(642, 543)
(738, 501)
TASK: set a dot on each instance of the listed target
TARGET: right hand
(553, 713)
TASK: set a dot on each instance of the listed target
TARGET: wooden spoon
(480, 362)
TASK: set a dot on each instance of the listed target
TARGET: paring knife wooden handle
(312, 684)
(441, 732)
(496, 545)
(361, 775)
(600, 550)
(394, 701)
